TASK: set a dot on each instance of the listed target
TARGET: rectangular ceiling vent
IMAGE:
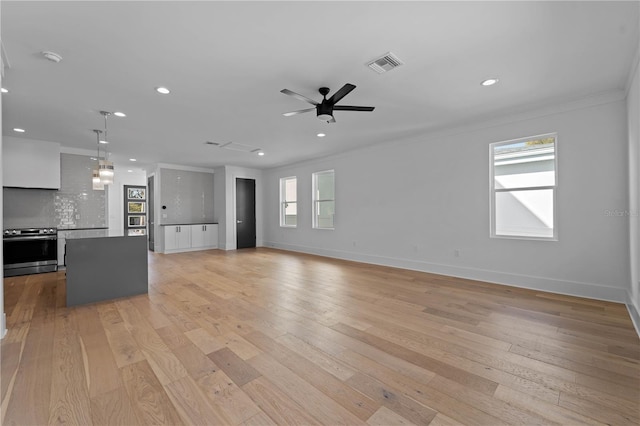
(4, 60)
(234, 146)
(385, 63)
(239, 147)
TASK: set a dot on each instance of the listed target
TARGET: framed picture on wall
(136, 207)
(135, 210)
(136, 193)
(137, 221)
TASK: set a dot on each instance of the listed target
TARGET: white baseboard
(633, 312)
(184, 250)
(3, 325)
(551, 285)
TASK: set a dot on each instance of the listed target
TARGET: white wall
(412, 204)
(220, 205)
(226, 213)
(115, 195)
(633, 117)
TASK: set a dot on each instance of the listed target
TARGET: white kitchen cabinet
(204, 236)
(177, 237)
(61, 249)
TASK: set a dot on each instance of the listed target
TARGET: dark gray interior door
(245, 213)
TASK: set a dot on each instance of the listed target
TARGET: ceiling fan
(324, 110)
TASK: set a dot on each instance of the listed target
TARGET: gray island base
(104, 268)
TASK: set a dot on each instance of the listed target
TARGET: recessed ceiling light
(104, 142)
(119, 114)
(16, 129)
(132, 159)
(489, 82)
(3, 90)
(52, 56)
(260, 153)
(130, 171)
(321, 135)
(163, 90)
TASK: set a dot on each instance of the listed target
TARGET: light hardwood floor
(262, 337)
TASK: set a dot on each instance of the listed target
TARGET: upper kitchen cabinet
(29, 163)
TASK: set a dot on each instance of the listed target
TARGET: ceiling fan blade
(298, 96)
(352, 108)
(300, 111)
(344, 91)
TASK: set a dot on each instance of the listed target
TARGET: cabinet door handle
(238, 221)
(205, 227)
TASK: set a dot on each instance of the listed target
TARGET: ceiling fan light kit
(324, 110)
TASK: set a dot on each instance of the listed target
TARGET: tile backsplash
(186, 196)
(75, 205)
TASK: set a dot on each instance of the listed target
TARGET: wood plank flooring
(264, 337)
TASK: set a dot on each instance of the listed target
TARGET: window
(323, 199)
(523, 188)
(289, 202)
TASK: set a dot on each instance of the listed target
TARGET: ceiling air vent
(233, 146)
(4, 60)
(385, 63)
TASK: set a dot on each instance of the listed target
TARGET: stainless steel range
(30, 251)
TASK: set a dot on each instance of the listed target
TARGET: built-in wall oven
(30, 251)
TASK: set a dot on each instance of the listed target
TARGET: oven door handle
(52, 237)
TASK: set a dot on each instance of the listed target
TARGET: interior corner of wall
(634, 311)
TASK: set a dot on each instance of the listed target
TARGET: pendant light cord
(98, 141)
(106, 153)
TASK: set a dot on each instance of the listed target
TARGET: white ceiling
(226, 63)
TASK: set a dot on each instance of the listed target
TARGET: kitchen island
(104, 265)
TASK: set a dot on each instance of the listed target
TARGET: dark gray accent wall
(105, 268)
(187, 195)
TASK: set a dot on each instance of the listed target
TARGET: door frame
(234, 236)
(255, 208)
(151, 212)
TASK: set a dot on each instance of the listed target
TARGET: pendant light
(96, 182)
(105, 167)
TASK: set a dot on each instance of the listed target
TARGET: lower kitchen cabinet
(179, 238)
(204, 236)
(61, 251)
